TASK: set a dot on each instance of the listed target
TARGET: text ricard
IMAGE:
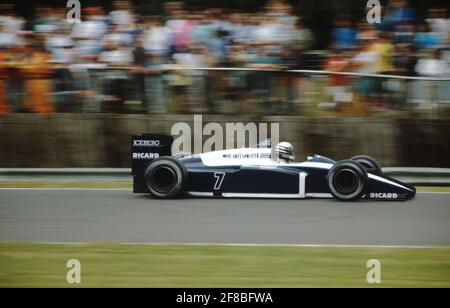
(146, 143)
(205, 299)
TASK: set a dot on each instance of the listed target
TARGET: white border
(270, 196)
(380, 179)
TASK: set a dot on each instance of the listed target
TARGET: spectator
(366, 33)
(343, 35)
(404, 34)
(156, 38)
(88, 33)
(384, 50)
(4, 109)
(302, 37)
(179, 28)
(10, 26)
(116, 55)
(446, 50)
(398, 12)
(404, 61)
(424, 39)
(45, 23)
(60, 47)
(439, 24)
(122, 15)
(138, 71)
(38, 85)
(365, 62)
(432, 65)
(117, 36)
(16, 56)
(219, 47)
(202, 30)
(338, 62)
(155, 95)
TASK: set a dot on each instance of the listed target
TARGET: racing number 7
(219, 176)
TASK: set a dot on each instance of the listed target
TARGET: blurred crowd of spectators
(55, 56)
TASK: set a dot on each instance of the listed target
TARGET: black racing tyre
(165, 178)
(369, 163)
(347, 180)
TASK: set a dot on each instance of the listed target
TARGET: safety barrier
(415, 176)
(228, 90)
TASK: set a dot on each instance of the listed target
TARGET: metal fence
(97, 89)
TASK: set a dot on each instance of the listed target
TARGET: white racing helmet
(284, 151)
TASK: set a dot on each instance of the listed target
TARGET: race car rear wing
(144, 149)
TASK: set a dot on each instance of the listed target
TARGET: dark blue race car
(260, 172)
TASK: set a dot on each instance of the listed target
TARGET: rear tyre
(165, 178)
(369, 163)
(347, 180)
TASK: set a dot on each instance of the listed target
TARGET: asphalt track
(119, 216)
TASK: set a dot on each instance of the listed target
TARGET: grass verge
(122, 265)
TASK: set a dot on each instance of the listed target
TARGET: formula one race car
(259, 172)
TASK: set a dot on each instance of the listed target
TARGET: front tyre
(347, 180)
(369, 163)
(165, 178)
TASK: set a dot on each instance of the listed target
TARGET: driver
(284, 153)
